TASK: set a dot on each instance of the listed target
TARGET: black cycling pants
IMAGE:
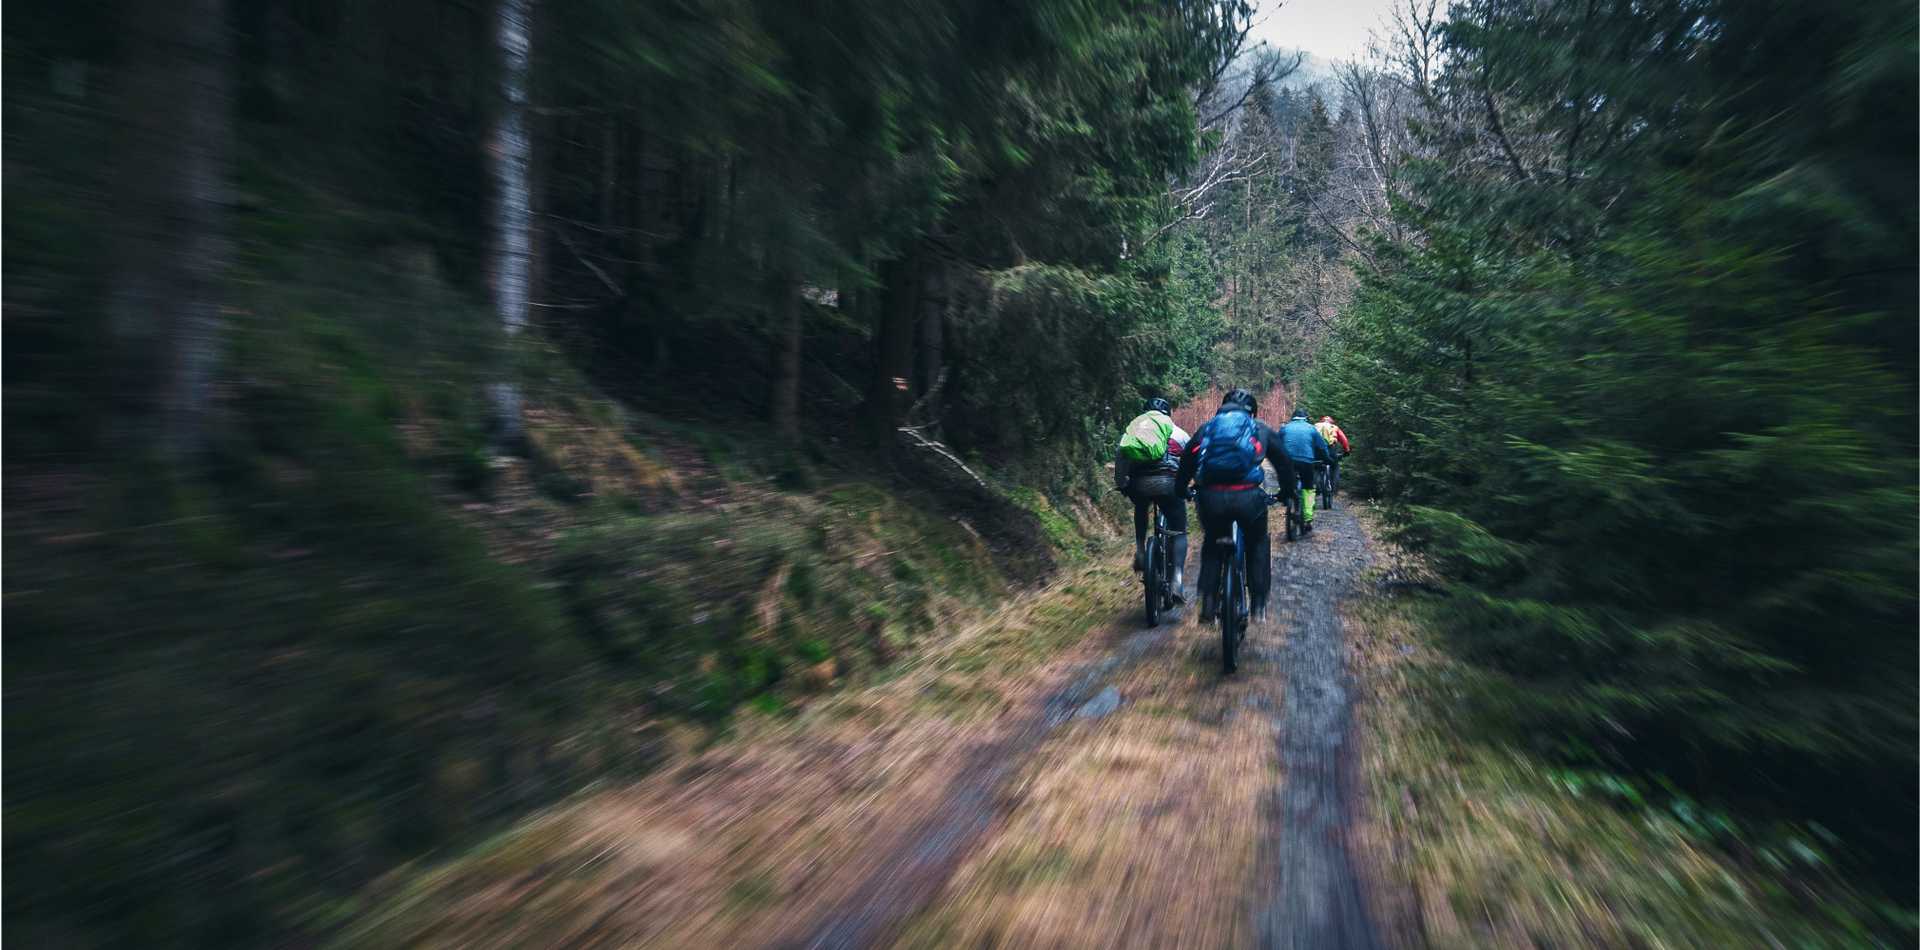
(1175, 508)
(1219, 510)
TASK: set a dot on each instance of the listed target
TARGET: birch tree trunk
(511, 154)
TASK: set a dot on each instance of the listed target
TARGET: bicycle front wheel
(1231, 618)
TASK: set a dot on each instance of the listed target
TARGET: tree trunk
(787, 314)
(931, 358)
(609, 168)
(511, 153)
(176, 102)
(893, 356)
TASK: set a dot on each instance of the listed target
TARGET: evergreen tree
(1641, 381)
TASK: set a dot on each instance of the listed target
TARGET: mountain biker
(1304, 447)
(1144, 466)
(1337, 441)
(1223, 458)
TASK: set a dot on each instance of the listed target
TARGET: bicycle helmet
(1243, 399)
(1299, 413)
(1156, 404)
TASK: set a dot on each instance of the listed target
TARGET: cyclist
(1144, 467)
(1224, 458)
(1304, 448)
(1337, 441)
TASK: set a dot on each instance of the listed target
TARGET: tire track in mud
(1318, 899)
(906, 877)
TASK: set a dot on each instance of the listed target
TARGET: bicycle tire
(1150, 580)
(1232, 584)
(1293, 522)
(1166, 575)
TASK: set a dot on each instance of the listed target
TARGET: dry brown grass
(736, 843)
(596, 453)
(1136, 829)
(1474, 845)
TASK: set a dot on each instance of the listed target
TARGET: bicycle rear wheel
(1293, 517)
(1231, 616)
(1166, 575)
(1150, 579)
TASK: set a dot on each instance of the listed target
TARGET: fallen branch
(926, 443)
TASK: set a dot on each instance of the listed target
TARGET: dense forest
(417, 412)
(1635, 362)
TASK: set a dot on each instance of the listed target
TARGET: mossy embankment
(362, 633)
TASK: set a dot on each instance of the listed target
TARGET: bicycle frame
(1156, 578)
(1231, 591)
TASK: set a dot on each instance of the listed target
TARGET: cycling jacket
(1125, 468)
(1190, 459)
(1303, 443)
(1336, 439)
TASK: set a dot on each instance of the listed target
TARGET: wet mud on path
(1318, 899)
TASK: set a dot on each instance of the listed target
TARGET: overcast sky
(1329, 29)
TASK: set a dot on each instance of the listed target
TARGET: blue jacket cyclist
(1223, 460)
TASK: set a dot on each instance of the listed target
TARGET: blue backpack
(1231, 454)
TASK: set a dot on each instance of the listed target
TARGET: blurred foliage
(353, 630)
(700, 151)
(1507, 846)
(270, 683)
(1641, 381)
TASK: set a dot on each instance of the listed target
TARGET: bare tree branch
(605, 281)
(1500, 134)
(1266, 71)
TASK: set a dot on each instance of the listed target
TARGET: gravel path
(1318, 898)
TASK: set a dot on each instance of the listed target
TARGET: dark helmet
(1299, 413)
(1156, 404)
(1243, 399)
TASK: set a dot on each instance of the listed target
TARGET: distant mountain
(1314, 70)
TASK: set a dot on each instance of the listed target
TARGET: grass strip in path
(785, 823)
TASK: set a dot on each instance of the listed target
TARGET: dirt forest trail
(1061, 775)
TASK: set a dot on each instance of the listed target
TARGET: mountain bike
(1323, 483)
(1156, 574)
(1295, 519)
(1230, 596)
